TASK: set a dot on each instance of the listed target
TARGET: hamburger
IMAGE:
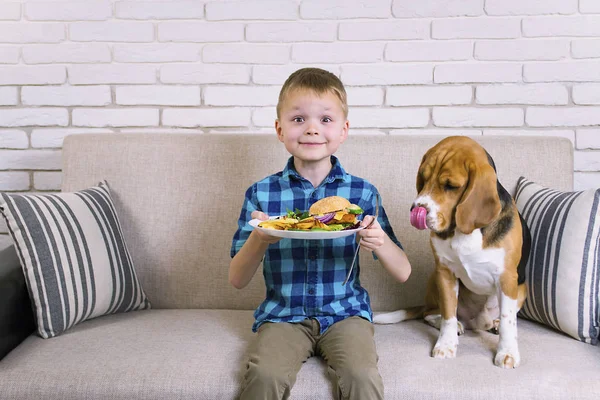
(335, 212)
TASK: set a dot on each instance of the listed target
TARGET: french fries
(288, 224)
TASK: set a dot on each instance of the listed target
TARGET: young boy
(307, 310)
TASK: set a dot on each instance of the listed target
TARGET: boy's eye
(298, 119)
(326, 119)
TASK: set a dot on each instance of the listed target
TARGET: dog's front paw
(445, 347)
(507, 359)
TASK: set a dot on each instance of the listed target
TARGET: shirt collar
(337, 172)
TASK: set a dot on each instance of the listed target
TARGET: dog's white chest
(478, 268)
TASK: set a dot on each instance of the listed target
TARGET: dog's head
(456, 184)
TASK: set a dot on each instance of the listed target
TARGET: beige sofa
(179, 196)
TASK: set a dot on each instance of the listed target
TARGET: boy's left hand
(373, 236)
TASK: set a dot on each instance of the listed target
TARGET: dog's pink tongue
(418, 217)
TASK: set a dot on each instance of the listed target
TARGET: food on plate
(333, 213)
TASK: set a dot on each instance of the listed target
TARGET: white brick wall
(427, 67)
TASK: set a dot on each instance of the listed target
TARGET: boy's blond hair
(317, 80)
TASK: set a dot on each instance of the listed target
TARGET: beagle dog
(480, 245)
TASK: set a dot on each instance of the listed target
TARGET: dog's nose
(411, 207)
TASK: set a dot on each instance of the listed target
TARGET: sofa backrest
(178, 197)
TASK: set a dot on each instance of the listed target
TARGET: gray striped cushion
(563, 271)
(74, 256)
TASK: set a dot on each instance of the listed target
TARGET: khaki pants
(280, 349)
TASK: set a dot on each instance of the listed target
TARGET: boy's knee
(360, 379)
(271, 379)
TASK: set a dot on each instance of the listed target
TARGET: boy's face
(311, 126)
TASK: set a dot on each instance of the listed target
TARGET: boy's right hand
(261, 234)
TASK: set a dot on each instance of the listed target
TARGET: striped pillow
(563, 271)
(74, 256)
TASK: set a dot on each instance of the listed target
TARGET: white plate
(310, 235)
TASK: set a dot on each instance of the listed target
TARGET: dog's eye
(448, 186)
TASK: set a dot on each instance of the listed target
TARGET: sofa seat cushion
(200, 354)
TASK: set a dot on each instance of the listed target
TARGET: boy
(307, 310)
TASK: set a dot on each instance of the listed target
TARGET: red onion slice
(326, 218)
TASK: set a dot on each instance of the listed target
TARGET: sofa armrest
(16, 313)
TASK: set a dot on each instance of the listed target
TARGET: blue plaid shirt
(304, 277)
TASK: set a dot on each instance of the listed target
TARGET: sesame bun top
(329, 204)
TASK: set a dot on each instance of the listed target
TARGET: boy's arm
(244, 264)
(391, 257)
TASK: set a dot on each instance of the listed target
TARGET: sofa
(178, 197)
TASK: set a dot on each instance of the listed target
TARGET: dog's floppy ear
(480, 203)
(420, 182)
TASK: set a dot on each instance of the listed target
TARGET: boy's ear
(345, 130)
(278, 130)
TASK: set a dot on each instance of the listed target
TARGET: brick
(542, 94)
(206, 117)
(37, 75)
(291, 32)
(476, 73)
(158, 95)
(246, 53)
(515, 50)
(106, 117)
(561, 26)
(31, 33)
(66, 95)
(264, 117)
(47, 180)
(477, 117)
(252, 10)
(387, 74)
(586, 180)
(68, 11)
(160, 9)
(200, 31)
(241, 95)
(563, 116)
(437, 8)
(14, 181)
(277, 74)
(31, 159)
(10, 11)
(344, 9)
(588, 139)
(8, 96)
(9, 55)
(113, 73)
(156, 52)
(34, 117)
(476, 28)
(13, 139)
(161, 130)
(339, 52)
(66, 53)
(589, 6)
(111, 31)
(585, 48)
(530, 7)
(385, 30)
(368, 117)
(587, 161)
(53, 138)
(205, 74)
(428, 95)
(586, 94)
(364, 96)
(575, 71)
(429, 51)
